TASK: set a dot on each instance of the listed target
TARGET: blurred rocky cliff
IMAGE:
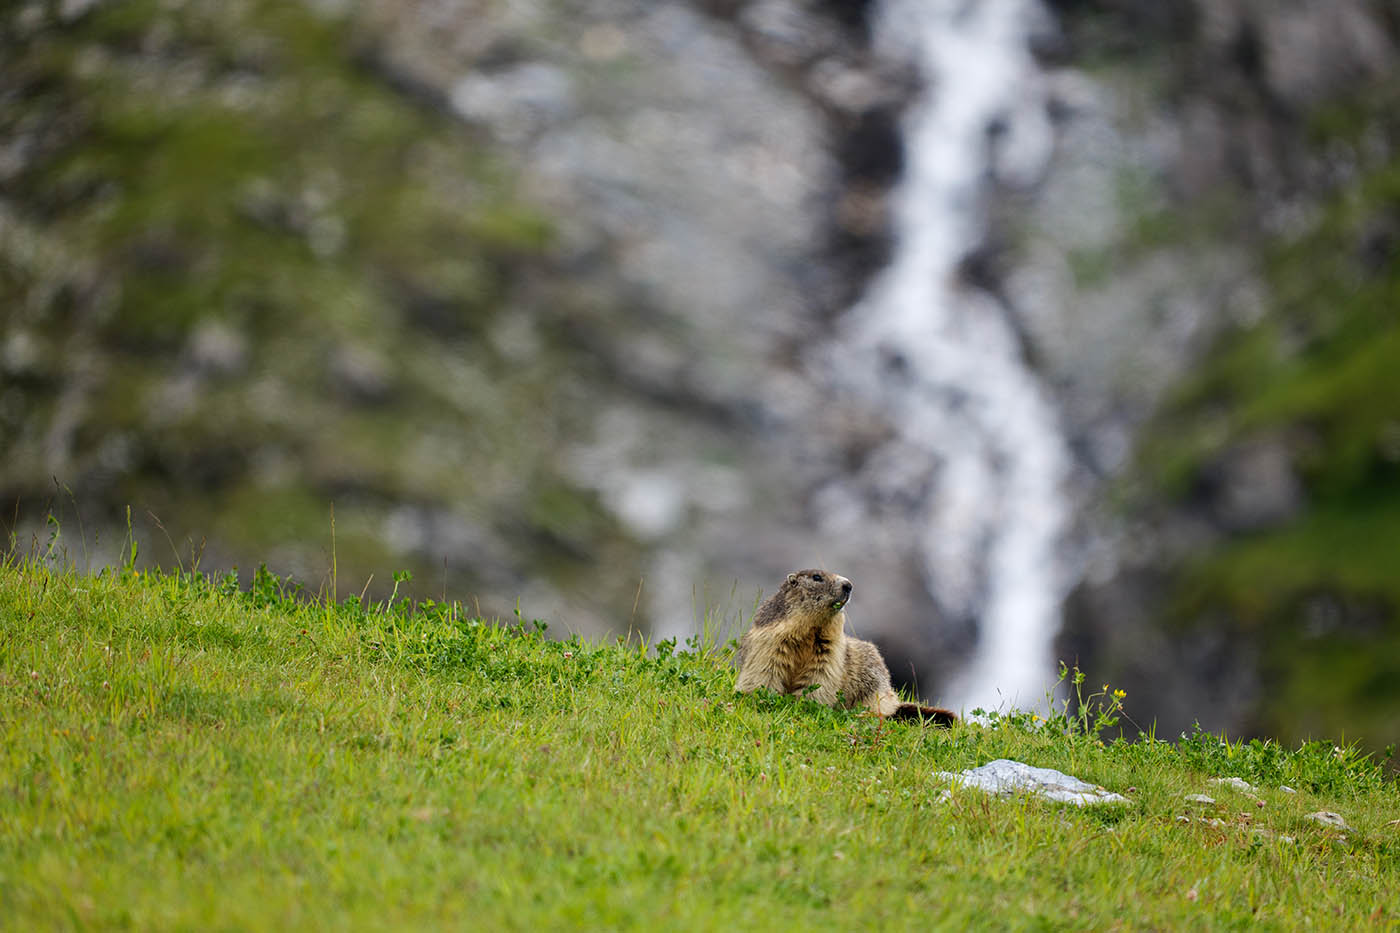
(538, 295)
(1241, 555)
(500, 281)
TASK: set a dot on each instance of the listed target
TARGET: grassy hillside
(179, 752)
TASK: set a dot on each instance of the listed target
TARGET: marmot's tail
(934, 714)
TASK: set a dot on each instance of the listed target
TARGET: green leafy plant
(1073, 714)
(1087, 715)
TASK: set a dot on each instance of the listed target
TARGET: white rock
(1286, 789)
(1198, 798)
(1005, 776)
(1328, 818)
(1238, 784)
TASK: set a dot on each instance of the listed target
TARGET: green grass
(179, 753)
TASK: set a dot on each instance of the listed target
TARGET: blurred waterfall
(942, 360)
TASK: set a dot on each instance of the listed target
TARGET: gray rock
(1238, 784)
(515, 102)
(1004, 777)
(1328, 818)
(20, 353)
(216, 349)
(1313, 49)
(362, 373)
(787, 34)
(1254, 487)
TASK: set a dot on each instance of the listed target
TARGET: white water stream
(959, 390)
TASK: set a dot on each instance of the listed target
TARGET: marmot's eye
(817, 577)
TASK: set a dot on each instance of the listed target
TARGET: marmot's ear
(792, 578)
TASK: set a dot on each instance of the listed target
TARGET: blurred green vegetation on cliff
(245, 275)
(1315, 380)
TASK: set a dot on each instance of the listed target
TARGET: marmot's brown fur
(798, 641)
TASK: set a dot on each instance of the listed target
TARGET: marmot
(797, 641)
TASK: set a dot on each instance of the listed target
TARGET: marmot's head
(808, 596)
(816, 591)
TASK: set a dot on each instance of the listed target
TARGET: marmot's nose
(846, 587)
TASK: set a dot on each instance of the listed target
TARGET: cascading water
(941, 360)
